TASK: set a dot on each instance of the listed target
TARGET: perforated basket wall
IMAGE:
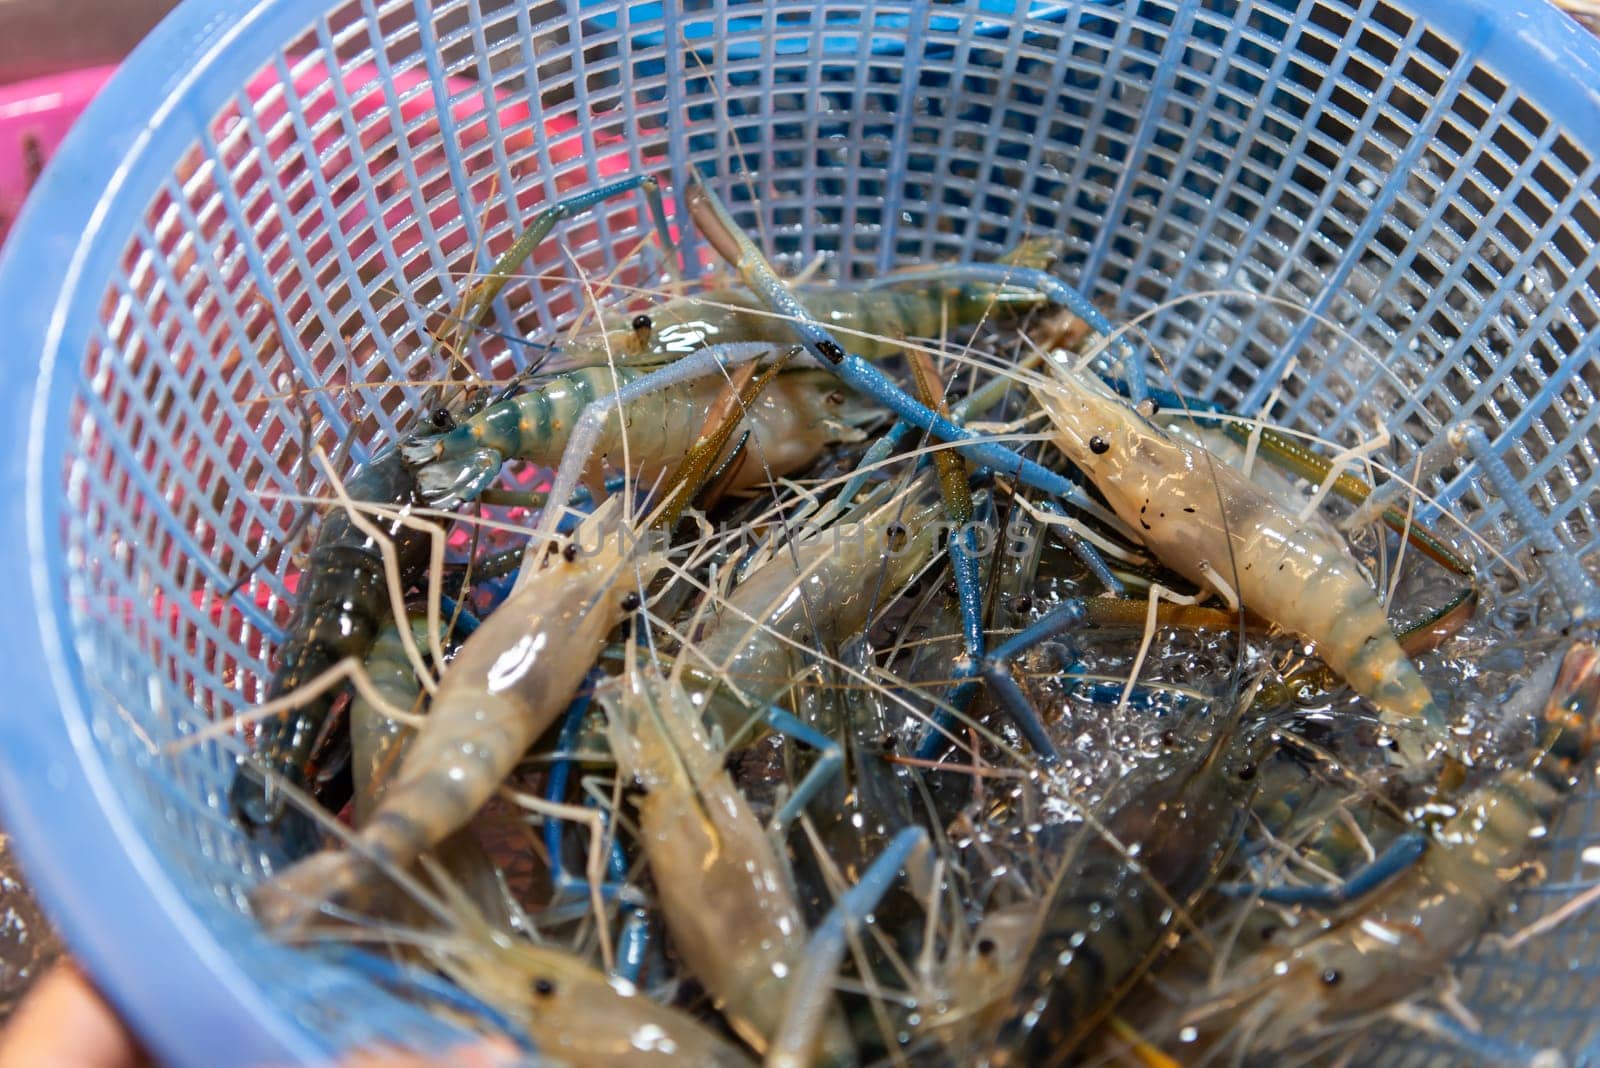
(271, 191)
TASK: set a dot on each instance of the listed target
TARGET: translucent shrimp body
(874, 320)
(376, 739)
(509, 682)
(574, 1014)
(579, 1016)
(823, 588)
(1114, 901)
(1402, 939)
(796, 416)
(974, 986)
(1207, 521)
(722, 888)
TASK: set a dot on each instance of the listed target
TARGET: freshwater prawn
(1207, 521)
(545, 995)
(508, 683)
(798, 415)
(825, 585)
(342, 604)
(1320, 978)
(1111, 905)
(723, 890)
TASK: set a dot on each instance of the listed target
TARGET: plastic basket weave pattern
(272, 190)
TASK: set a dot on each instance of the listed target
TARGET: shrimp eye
(895, 536)
(642, 323)
(1331, 977)
(836, 398)
(544, 987)
(1099, 446)
(986, 947)
(831, 351)
(1247, 773)
(889, 743)
(569, 552)
(1169, 739)
(442, 419)
(630, 601)
(1021, 603)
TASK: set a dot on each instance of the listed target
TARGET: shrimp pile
(897, 671)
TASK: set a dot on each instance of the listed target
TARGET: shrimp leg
(830, 758)
(810, 991)
(635, 937)
(1398, 858)
(962, 547)
(996, 671)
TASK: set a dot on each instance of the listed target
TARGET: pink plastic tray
(34, 116)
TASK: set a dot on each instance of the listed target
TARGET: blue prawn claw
(449, 482)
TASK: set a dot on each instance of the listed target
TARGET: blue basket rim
(117, 907)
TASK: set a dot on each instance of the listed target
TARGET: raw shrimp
(342, 603)
(574, 1013)
(826, 586)
(377, 739)
(723, 891)
(1113, 904)
(875, 320)
(975, 985)
(578, 1015)
(1208, 522)
(509, 682)
(795, 417)
(1407, 932)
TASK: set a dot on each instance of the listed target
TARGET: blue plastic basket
(1423, 173)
